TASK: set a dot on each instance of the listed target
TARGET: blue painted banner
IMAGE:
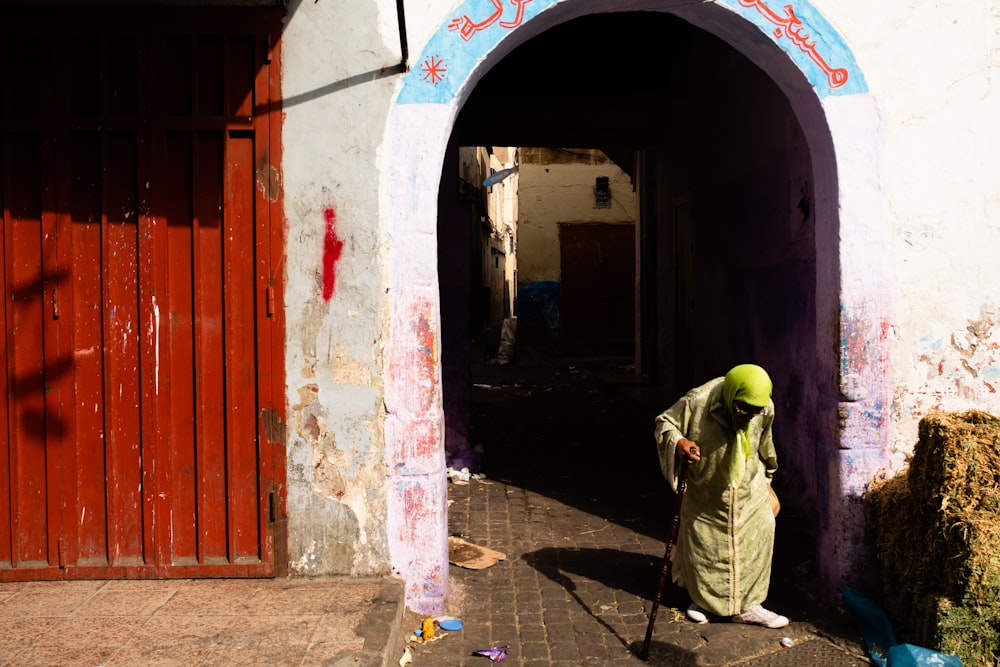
(477, 26)
(811, 42)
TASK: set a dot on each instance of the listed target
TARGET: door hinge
(269, 301)
(272, 506)
(55, 304)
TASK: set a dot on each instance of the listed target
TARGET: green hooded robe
(726, 536)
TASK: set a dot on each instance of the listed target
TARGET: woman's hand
(689, 450)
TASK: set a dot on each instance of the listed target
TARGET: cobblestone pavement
(572, 494)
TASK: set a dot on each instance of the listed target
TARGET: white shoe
(697, 614)
(757, 615)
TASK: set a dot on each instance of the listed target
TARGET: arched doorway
(833, 354)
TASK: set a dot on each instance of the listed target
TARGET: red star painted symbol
(434, 69)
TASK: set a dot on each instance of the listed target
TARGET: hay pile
(936, 533)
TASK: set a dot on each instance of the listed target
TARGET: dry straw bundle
(936, 533)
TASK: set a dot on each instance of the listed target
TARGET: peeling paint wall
(953, 370)
(335, 107)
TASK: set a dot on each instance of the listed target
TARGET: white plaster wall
(333, 127)
(931, 67)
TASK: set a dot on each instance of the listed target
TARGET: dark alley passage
(561, 429)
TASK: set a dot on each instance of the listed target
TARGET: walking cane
(681, 486)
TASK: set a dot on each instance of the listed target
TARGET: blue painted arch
(477, 27)
(809, 60)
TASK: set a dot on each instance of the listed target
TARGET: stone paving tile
(205, 601)
(47, 655)
(172, 656)
(182, 633)
(114, 602)
(49, 598)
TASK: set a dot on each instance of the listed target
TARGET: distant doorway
(597, 289)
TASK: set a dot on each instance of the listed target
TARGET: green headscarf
(751, 385)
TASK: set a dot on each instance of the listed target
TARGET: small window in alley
(602, 192)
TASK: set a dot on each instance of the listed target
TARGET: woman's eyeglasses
(743, 410)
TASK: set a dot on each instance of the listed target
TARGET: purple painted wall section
(418, 490)
(865, 436)
(416, 526)
(864, 363)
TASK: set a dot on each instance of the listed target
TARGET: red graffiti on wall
(434, 69)
(790, 26)
(332, 247)
(467, 27)
(426, 347)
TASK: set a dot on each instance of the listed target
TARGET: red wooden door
(597, 288)
(141, 334)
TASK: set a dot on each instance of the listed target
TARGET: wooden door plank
(6, 534)
(178, 391)
(123, 328)
(72, 174)
(242, 64)
(210, 349)
(154, 313)
(270, 311)
(58, 359)
(79, 178)
(28, 498)
(242, 457)
(29, 470)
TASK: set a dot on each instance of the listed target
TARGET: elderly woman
(722, 432)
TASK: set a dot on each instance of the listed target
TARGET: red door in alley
(142, 337)
(597, 288)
